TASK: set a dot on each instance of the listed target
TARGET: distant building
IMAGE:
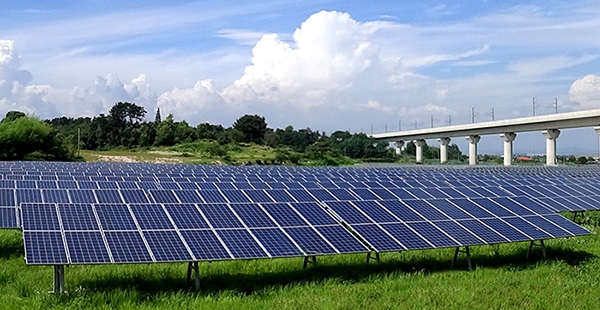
(524, 158)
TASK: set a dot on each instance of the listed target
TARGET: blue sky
(327, 65)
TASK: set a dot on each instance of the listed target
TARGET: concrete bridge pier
(551, 135)
(444, 142)
(508, 138)
(399, 145)
(473, 140)
(419, 149)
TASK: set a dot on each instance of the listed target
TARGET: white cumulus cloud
(586, 92)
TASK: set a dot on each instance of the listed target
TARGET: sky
(361, 66)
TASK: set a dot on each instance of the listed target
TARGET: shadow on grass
(146, 285)
(11, 244)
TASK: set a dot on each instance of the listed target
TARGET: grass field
(568, 279)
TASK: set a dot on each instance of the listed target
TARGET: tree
(252, 127)
(157, 118)
(13, 115)
(165, 132)
(27, 138)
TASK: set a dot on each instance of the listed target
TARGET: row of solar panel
(147, 182)
(14, 197)
(144, 233)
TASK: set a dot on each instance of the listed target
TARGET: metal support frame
(309, 260)
(193, 266)
(376, 257)
(467, 252)
(59, 279)
(575, 215)
(541, 245)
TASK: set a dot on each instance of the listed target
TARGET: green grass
(568, 279)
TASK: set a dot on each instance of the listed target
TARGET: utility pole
(555, 105)
(416, 125)
(534, 105)
(473, 115)
(449, 120)
(492, 114)
(385, 126)
(371, 128)
(399, 125)
(431, 120)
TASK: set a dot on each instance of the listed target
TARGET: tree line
(124, 127)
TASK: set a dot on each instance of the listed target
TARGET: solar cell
(77, 217)
(241, 244)
(205, 245)
(86, 247)
(7, 198)
(377, 238)
(212, 196)
(220, 216)
(127, 247)
(151, 217)
(108, 196)
(115, 217)
(44, 248)
(167, 246)
(8, 218)
(314, 214)
(276, 242)
(409, 239)
(309, 241)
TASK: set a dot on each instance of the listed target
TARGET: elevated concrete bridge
(549, 125)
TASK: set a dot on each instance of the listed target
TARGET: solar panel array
(97, 213)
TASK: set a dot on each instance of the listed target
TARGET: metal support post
(309, 260)
(575, 215)
(467, 252)
(193, 266)
(59, 279)
(369, 256)
(541, 245)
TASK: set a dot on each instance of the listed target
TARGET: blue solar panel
(127, 247)
(409, 239)
(234, 196)
(86, 248)
(309, 241)
(108, 196)
(186, 216)
(460, 234)
(241, 244)
(314, 214)
(523, 225)
(449, 209)
(253, 216)
(167, 246)
(163, 196)
(301, 195)
(8, 218)
(342, 194)
(364, 193)
(492, 207)
(425, 210)
(151, 217)
(28, 196)
(341, 239)
(115, 217)
(401, 211)
(7, 198)
(220, 216)
(134, 196)
(433, 234)
(261, 196)
(322, 194)
(77, 217)
(401, 193)
(39, 217)
(471, 208)
(284, 215)
(276, 242)
(44, 248)
(373, 210)
(212, 196)
(505, 230)
(205, 245)
(47, 184)
(348, 212)
(188, 196)
(377, 238)
(55, 196)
